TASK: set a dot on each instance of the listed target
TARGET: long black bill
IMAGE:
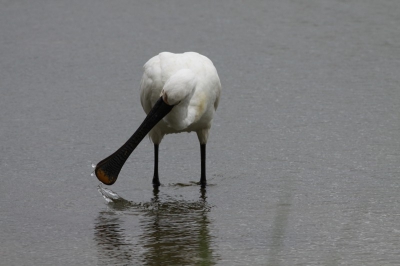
(108, 169)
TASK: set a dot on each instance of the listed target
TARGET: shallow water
(171, 231)
(303, 157)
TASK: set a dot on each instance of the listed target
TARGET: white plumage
(191, 83)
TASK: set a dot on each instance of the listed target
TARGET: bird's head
(178, 87)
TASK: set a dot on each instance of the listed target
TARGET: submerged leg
(156, 181)
(203, 180)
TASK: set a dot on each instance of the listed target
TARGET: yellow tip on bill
(104, 178)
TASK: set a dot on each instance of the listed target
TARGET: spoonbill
(179, 93)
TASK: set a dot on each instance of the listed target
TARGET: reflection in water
(279, 225)
(109, 236)
(173, 232)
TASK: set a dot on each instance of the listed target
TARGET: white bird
(179, 93)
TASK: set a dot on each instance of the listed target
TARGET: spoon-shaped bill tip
(104, 178)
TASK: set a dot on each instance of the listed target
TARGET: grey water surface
(303, 160)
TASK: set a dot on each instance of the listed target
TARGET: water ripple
(171, 231)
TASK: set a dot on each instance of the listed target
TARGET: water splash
(166, 206)
(93, 166)
(108, 195)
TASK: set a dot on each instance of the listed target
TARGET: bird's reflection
(109, 236)
(172, 232)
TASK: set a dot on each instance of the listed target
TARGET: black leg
(156, 181)
(203, 180)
